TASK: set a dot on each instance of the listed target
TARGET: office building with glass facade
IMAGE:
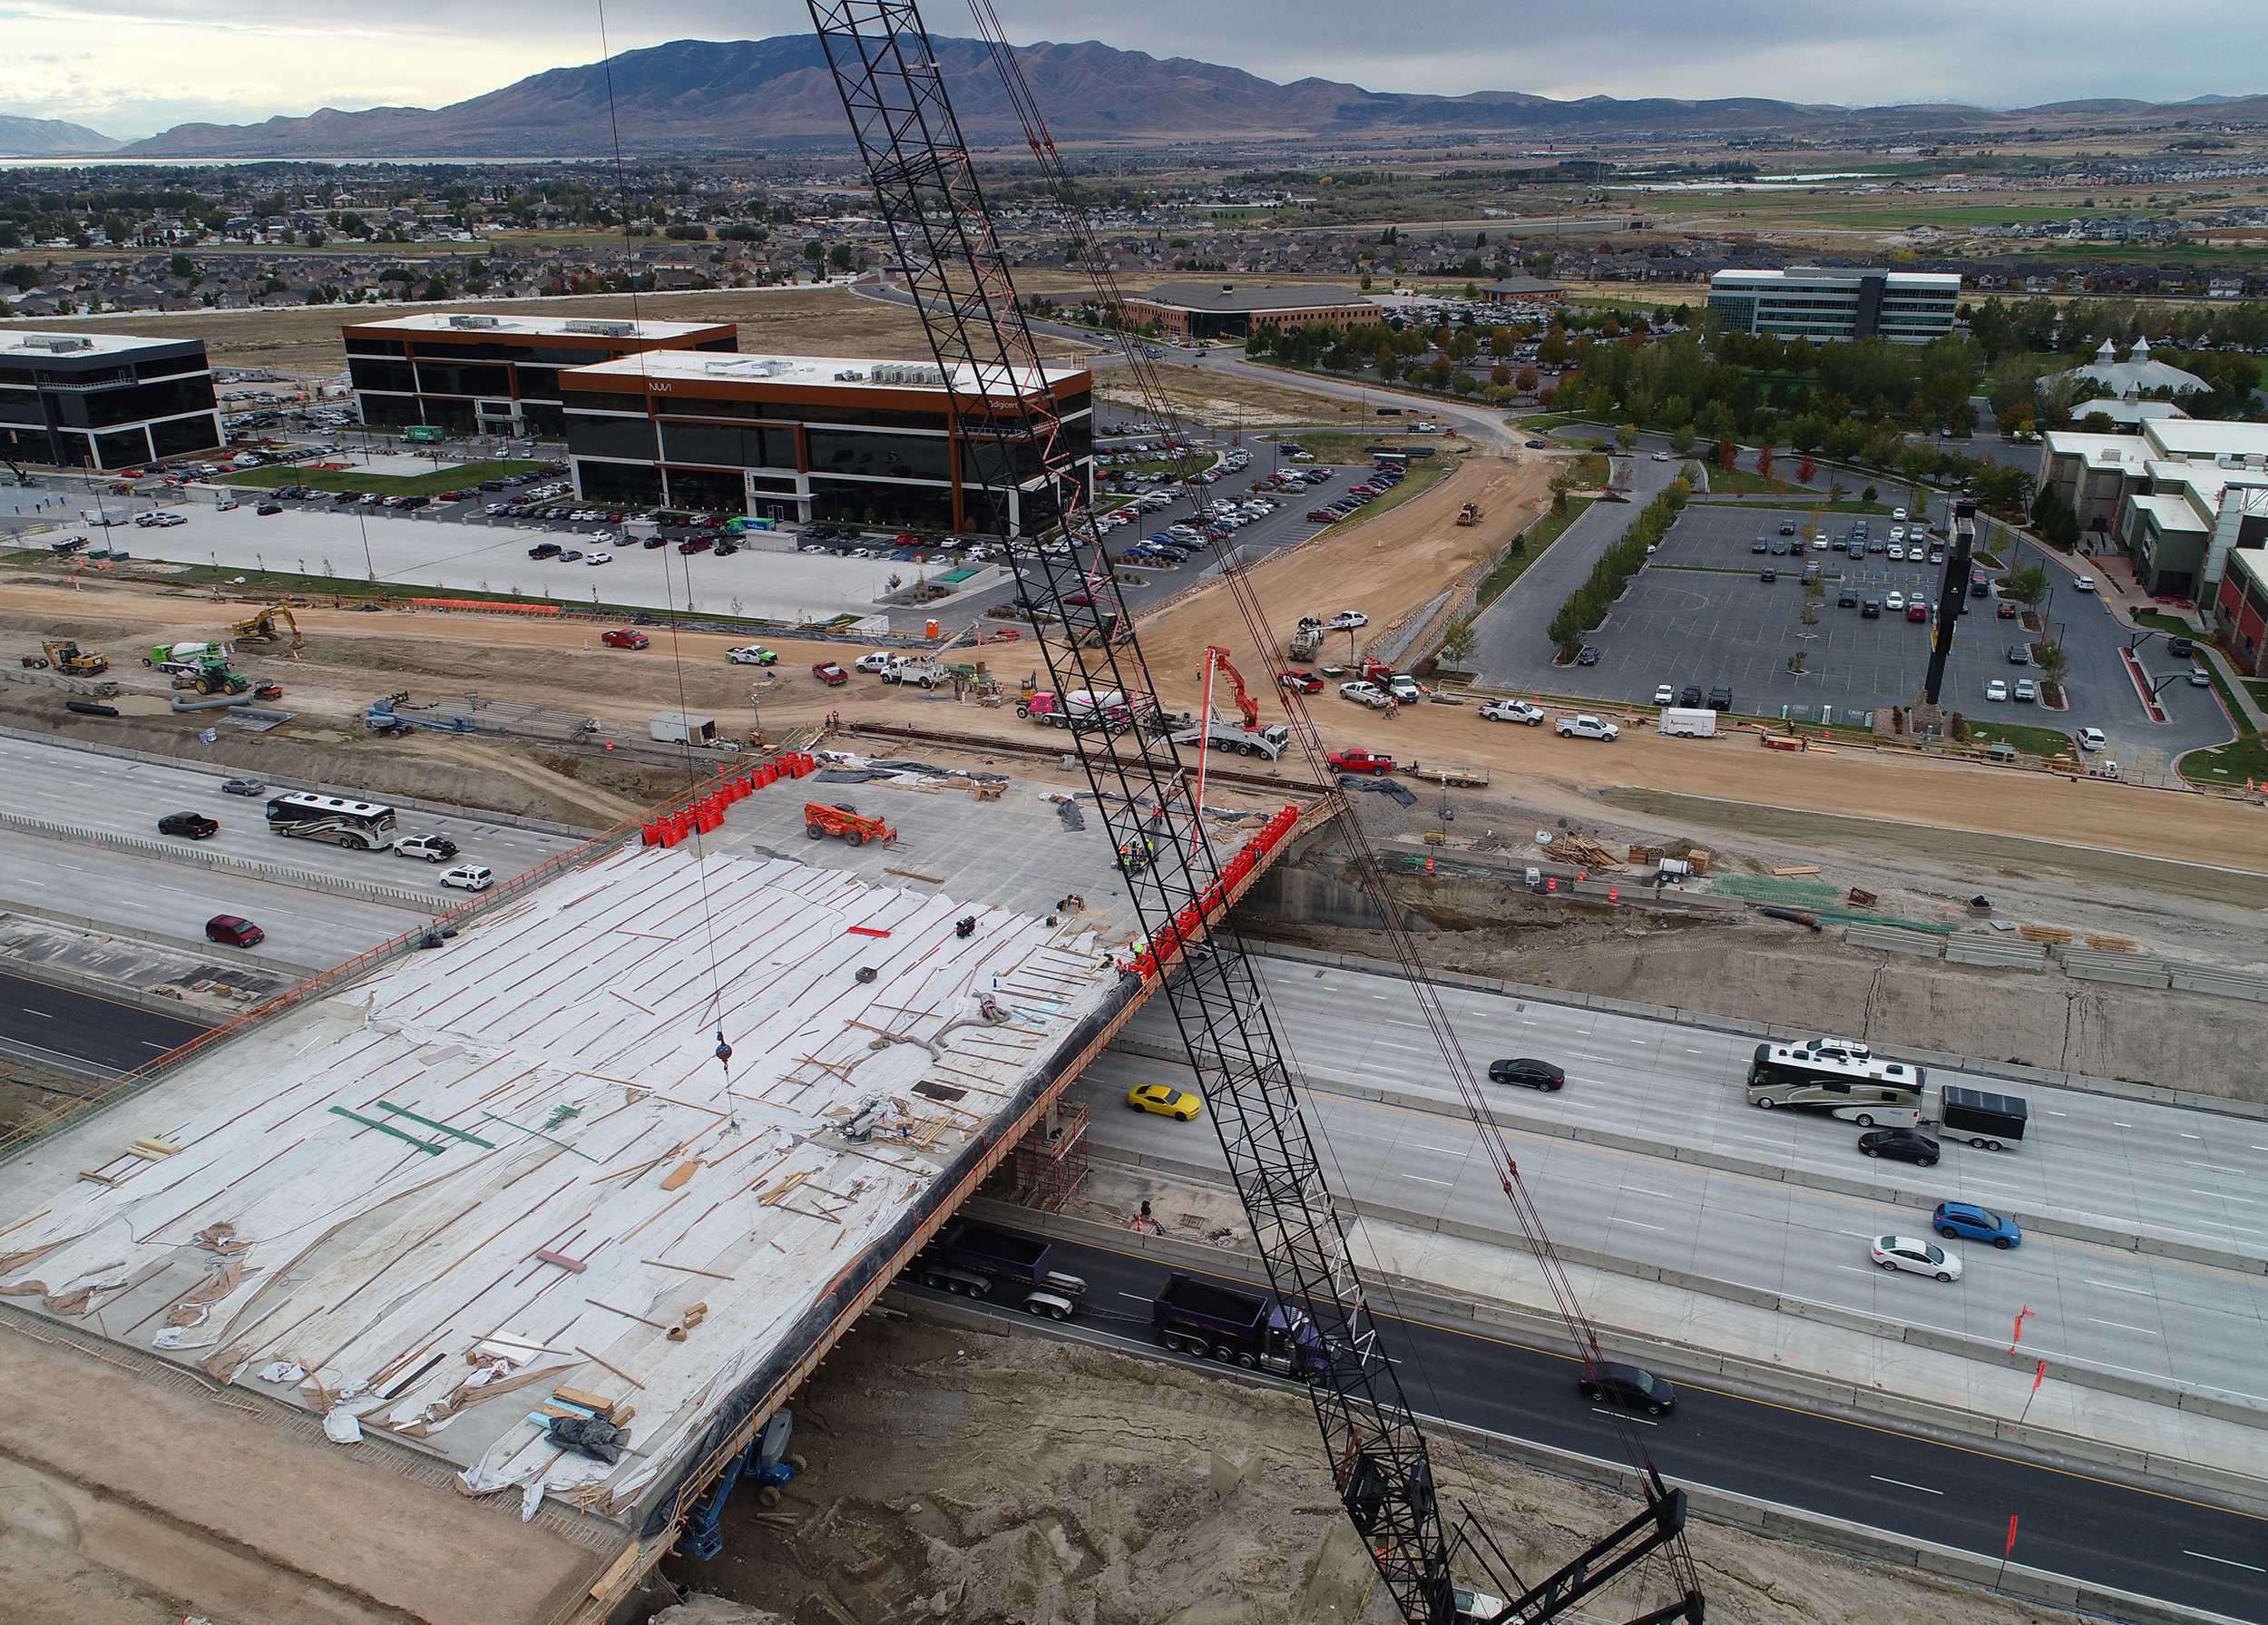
(1825, 305)
(804, 439)
(104, 400)
(494, 375)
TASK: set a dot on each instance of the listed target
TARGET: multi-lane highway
(2073, 1524)
(84, 790)
(2129, 1167)
(85, 1030)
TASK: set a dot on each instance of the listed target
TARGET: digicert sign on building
(804, 439)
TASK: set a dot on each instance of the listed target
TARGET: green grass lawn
(1745, 482)
(1539, 536)
(462, 477)
(2031, 741)
(2164, 622)
(2258, 690)
(2229, 767)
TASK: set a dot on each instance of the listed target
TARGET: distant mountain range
(49, 138)
(703, 96)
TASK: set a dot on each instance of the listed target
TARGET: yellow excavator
(67, 656)
(263, 626)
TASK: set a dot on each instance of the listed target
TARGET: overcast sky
(130, 69)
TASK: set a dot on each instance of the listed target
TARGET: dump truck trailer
(973, 1260)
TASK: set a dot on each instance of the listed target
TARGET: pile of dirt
(959, 1475)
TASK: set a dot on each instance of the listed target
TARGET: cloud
(163, 62)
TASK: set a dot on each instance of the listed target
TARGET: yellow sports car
(1165, 1101)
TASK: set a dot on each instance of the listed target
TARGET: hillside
(744, 95)
(50, 138)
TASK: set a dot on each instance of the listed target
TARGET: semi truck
(1991, 1122)
(969, 1259)
(1255, 1331)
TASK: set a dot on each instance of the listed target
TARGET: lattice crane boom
(1021, 451)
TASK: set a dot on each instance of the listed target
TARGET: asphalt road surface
(2192, 1176)
(47, 1021)
(1956, 1495)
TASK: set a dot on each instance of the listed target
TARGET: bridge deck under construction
(511, 1178)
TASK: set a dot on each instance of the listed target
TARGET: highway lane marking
(1444, 1150)
(1641, 1420)
(1902, 1485)
(2245, 1199)
(1639, 1222)
(2114, 1287)
(1640, 1190)
(43, 1015)
(1330, 1097)
(147, 1045)
(1424, 1181)
(2123, 1327)
(2216, 1168)
(2231, 1561)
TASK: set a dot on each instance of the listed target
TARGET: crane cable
(713, 1009)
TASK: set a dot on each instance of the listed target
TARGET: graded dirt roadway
(1390, 568)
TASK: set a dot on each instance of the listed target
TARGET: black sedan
(1910, 1145)
(1611, 1384)
(1535, 1074)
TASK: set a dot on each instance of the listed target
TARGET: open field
(1225, 400)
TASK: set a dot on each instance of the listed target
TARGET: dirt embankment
(964, 1476)
(1751, 969)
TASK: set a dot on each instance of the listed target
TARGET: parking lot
(1701, 615)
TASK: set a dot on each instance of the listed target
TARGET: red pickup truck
(1359, 761)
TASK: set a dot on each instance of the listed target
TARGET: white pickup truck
(1513, 710)
(1586, 727)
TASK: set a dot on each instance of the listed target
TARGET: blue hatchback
(1972, 1223)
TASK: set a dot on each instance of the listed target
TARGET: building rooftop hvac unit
(56, 344)
(474, 321)
(604, 329)
(909, 372)
(749, 367)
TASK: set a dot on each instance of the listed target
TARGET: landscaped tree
(1681, 438)
(1728, 456)
(1527, 381)
(2027, 586)
(1808, 469)
(1460, 641)
(2051, 660)
(1626, 437)
(1763, 462)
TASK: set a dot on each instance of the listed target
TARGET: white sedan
(1996, 689)
(1348, 620)
(1664, 695)
(1895, 602)
(1922, 1258)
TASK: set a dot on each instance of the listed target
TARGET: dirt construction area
(959, 1475)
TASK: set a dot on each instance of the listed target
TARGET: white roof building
(2138, 374)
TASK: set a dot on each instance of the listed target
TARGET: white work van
(1692, 724)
